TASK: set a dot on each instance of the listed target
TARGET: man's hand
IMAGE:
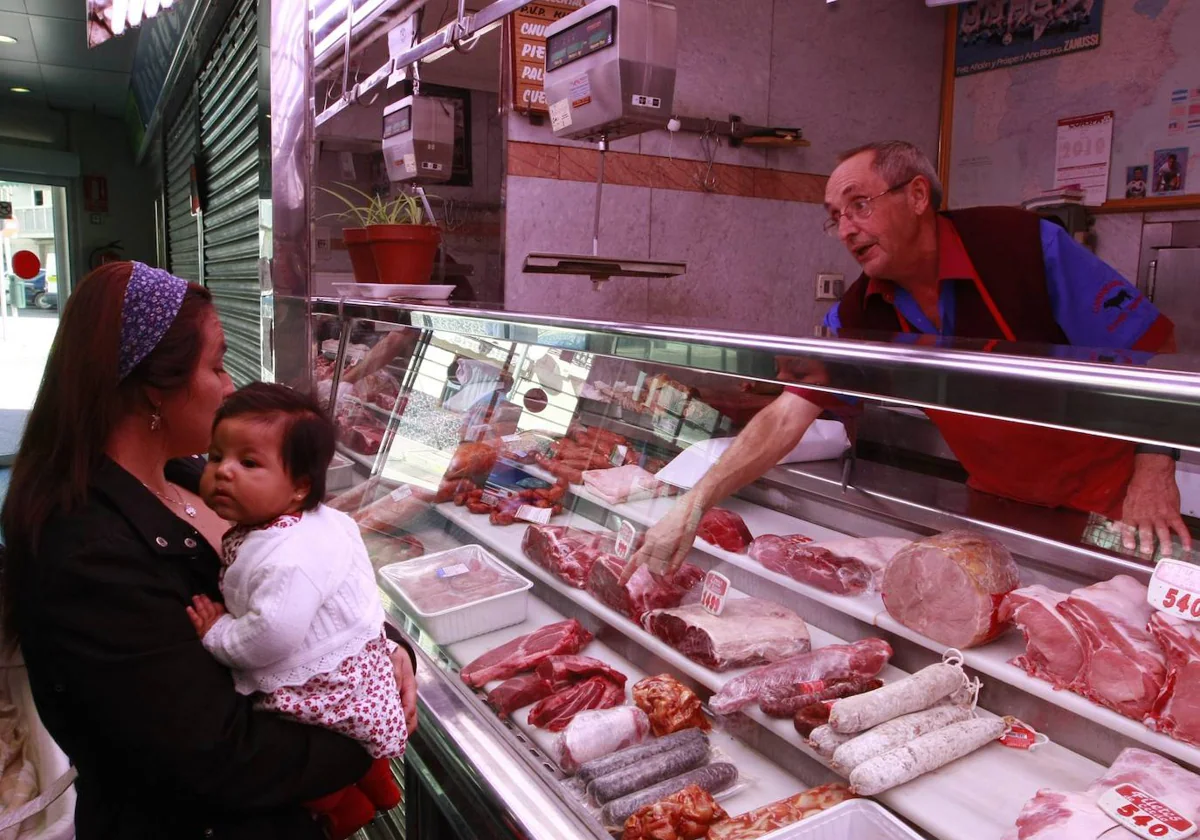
(667, 543)
(204, 614)
(1151, 508)
(407, 681)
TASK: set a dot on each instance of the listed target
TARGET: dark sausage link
(632, 755)
(713, 778)
(653, 770)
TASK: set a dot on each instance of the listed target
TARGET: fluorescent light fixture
(7, 39)
(19, 89)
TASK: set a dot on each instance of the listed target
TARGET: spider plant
(403, 209)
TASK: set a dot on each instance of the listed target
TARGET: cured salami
(912, 694)
(786, 702)
(895, 733)
(825, 741)
(926, 753)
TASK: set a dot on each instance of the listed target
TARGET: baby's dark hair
(308, 435)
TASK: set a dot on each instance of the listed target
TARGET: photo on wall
(1135, 181)
(1005, 33)
(1170, 171)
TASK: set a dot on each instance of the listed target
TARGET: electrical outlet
(829, 286)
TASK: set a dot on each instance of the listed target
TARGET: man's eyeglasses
(858, 209)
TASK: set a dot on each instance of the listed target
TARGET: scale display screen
(398, 122)
(582, 39)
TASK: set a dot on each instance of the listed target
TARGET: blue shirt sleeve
(1093, 304)
(832, 320)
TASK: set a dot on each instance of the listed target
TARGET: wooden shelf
(1153, 204)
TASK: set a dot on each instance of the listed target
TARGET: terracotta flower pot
(404, 253)
(358, 243)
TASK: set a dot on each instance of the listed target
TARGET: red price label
(1139, 812)
(1175, 588)
(716, 589)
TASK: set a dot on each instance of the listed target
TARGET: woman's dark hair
(308, 435)
(78, 405)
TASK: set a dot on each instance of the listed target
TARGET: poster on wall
(1170, 171)
(1082, 155)
(1005, 33)
(527, 29)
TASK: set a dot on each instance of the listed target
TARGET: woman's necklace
(188, 509)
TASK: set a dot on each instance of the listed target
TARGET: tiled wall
(754, 247)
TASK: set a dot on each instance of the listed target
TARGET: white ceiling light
(19, 89)
(7, 39)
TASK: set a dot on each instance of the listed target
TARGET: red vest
(1009, 303)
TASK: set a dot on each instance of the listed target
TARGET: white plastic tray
(466, 620)
(394, 291)
(857, 819)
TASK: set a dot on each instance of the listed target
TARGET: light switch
(829, 286)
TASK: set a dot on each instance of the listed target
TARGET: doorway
(34, 235)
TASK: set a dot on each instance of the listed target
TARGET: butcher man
(984, 273)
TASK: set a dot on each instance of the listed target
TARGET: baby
(302, 624)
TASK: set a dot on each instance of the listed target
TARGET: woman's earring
(155, 419)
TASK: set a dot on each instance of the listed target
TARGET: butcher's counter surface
(534, 373)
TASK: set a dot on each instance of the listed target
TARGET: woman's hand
(204, 614)
(407, 682)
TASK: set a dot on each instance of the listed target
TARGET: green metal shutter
(229, 141)
(183, 250)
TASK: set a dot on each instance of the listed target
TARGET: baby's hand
(204, 614)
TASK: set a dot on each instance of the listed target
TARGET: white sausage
(825, 741)
(911, 694)
(929, 752)
(895, 733)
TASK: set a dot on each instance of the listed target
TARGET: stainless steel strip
(1133, 403)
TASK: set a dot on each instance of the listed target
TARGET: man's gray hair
(898, 162)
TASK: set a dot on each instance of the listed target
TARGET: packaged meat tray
(749, 631)
(856, 819)
(460, 593)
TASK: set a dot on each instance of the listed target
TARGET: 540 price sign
(1175, 588)
(1145, 816)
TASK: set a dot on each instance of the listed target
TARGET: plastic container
(458, 594)
(856, 819)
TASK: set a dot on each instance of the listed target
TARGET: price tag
(626, 537)
(452, 571)
(560, 115)
(618, 455)
(492, 498)
(536, 515)
(511, 438)
(1020, 735)
(716, 589)
(1175, 588)
(1139, 812)
(400, 493)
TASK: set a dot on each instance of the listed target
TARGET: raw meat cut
(629, 483)
(449, 580)
(473, 461)
(949, 587)
(1177, 709)
(557, 710)
(670, 705)
(391, 512)
(592, 735)
(526, 652)
(1053, 649)
(644, 591)
(864, 658)
(385, 550)
(684, 815)
(749, 631)
(754, 824)
(517, 693)
(561, 671)
(568, 553)
(363, 438)
(1052, 815)
(724, 529)
(875, 552)
(813, 565)
(1123, 667)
